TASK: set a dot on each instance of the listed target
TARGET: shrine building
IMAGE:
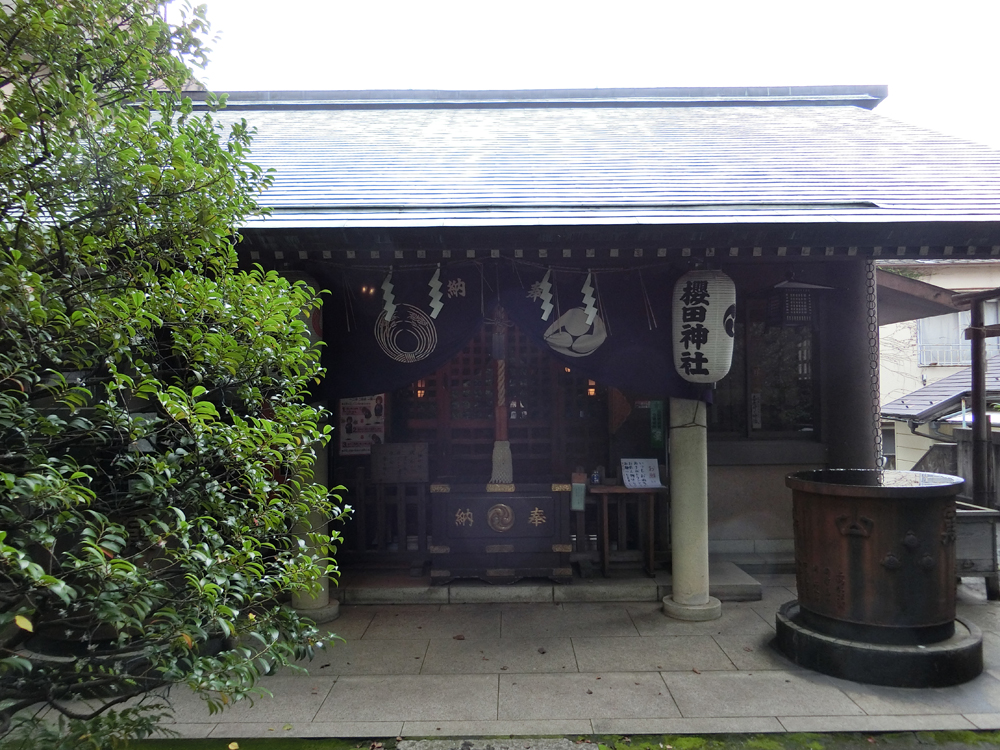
(502, 276)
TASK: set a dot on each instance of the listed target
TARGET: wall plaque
(399, 462)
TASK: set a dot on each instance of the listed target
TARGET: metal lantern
(704, 323)
(790, 303)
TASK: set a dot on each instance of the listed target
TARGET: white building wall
(901, 372)
(909, 447)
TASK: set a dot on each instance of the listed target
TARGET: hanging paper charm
(704, 319)
(388, 298)
(543, 290)
(435, 285)
(588, 300)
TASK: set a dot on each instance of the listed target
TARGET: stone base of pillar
(711, 610)
(329, 613)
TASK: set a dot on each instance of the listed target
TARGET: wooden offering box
(500, 533)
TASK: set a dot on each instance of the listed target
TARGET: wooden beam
(967, 298)
(982, 332)
(901, 298)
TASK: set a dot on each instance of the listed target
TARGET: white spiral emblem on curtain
(409, 336)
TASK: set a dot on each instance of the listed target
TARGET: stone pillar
(317, 605)
(689, 513)
(848, 417)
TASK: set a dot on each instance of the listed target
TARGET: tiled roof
(392, 162)
(943, 397)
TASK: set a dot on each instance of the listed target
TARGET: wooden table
(649, 493)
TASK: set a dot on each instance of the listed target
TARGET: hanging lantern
(704, 323)
(790, 303)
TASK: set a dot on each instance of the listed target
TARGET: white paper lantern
(704, 313)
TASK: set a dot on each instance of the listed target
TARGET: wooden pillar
(982, 452)
(981, 494)
(847, 395)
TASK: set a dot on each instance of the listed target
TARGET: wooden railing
(389, 524)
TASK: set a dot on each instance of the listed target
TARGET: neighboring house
(426, 212)
(930, 414)
(919, 353)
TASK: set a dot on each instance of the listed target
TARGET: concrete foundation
(710, 610)
(949, 662)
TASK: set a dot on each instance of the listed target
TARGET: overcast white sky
(941, 61)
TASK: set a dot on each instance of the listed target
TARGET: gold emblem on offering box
(463, 517)
(537, 517)
(500, 517)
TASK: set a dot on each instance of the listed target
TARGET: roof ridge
(859, 96)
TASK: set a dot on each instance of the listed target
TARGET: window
(941, 339)
(771, 389)
(889, 445)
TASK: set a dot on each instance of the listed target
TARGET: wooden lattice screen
(558, 418)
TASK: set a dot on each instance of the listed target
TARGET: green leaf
(137, 499)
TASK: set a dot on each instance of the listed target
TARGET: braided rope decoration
(502, 383)
(503, 461)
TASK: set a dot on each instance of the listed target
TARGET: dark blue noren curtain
(367, 354)
(619, 334)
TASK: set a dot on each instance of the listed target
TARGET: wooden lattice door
(557, 419)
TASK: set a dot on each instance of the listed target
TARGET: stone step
(727, 582)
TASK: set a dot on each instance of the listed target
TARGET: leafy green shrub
(156, 435)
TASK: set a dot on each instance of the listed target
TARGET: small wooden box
(975, 542)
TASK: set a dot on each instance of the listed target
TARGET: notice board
(394, 463)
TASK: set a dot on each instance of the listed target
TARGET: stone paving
(501, 669)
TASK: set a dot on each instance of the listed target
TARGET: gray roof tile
(941, 398)
(655, 164)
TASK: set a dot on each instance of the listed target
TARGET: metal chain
(873, 363)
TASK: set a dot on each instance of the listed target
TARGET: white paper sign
(362, 423)
(638, 473)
